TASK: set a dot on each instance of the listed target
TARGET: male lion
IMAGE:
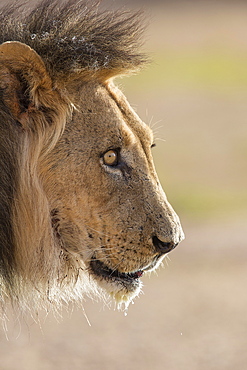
(82, 209)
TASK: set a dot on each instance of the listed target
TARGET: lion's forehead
(106, 114)
(130, 117)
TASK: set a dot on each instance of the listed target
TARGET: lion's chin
(123, 287)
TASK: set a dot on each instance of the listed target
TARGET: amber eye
(110, 158)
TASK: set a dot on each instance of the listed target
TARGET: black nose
(163, 247)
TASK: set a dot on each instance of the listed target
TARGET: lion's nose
(163, 247)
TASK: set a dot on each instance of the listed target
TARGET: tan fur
(70, 209)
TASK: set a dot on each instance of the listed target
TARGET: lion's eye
(110, 158)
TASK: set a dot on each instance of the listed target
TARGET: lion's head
(82, 205)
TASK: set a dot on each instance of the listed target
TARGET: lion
(82, 210)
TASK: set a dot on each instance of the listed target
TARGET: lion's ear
(24, 82)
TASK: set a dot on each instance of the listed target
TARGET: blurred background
(192, 314)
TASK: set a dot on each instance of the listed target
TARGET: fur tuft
(76, 37)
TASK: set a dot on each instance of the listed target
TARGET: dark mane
(8, 152)
(75, 36)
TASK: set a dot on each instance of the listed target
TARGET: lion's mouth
(101, 270)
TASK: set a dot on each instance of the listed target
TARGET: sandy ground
(192, 315)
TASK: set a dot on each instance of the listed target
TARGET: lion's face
(117, 218)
